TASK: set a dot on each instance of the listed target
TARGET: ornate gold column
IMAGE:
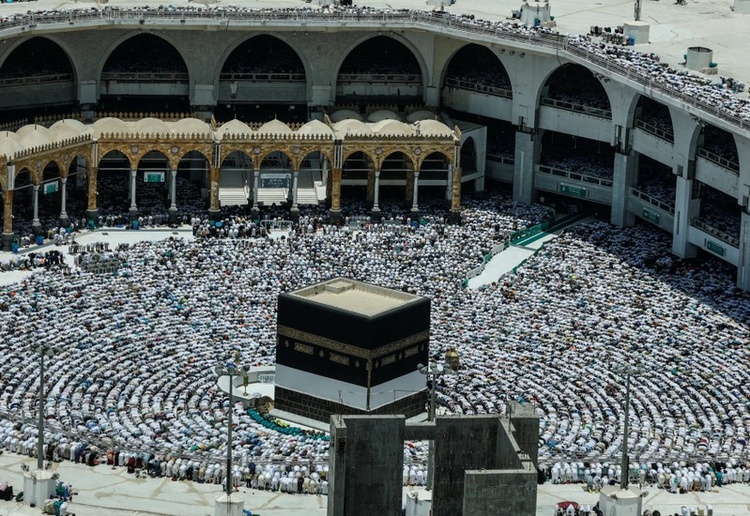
(335, 211)
(213, 196)
(8, 214)
(455, 214)
(92, 211)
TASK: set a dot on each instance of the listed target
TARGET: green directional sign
(153, 177)
(574, 191)
(50, 187)
(715, 248)
(651, 216)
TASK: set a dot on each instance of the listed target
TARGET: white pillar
(63, 198)
(415, 195)
(133, 205)
(376, 193)
(173, 190)
(35, 200)
(229, 505)
(256, 181)
(38, 486)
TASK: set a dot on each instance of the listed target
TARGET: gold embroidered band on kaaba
(349, 349)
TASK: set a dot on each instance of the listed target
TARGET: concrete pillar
(376, 196)
(173, 195)
(35, 224)
(214, 206)
(335, 211)
(64, 221)
(685, 209)
(623, 178)
(743, 270)
(479, 184)
(526, 157)
(133, 203)
(92, 209)
(415, 194)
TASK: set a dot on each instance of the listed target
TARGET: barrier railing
(378, 77)
(479, 87)
(36, 79)
(501, 159)
(722, 162)
(529, 232)
(145, 76)
(652, 129)
(259, 77)
(578, 108)
(724, 237)
(652, 200)
(544, 169)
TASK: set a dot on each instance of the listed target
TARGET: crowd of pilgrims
(132, 352)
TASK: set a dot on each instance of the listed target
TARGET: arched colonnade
(72, 145)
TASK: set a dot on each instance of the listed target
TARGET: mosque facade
(530, 58)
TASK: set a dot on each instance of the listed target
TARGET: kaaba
(348, 347)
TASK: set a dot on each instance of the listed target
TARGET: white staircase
(306, 194)
(269, 196)
(232, 188)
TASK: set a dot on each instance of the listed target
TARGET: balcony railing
(578, 108)
(263, 77)
(36, 79)
(380, 78)
(652, 201)
(659, 133)
(722, 162)
(544, 169)
(501, 159)
(479, 87)
(145, 76)
(724, 237)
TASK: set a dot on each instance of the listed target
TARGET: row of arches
(147, 57)
(129, 179)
